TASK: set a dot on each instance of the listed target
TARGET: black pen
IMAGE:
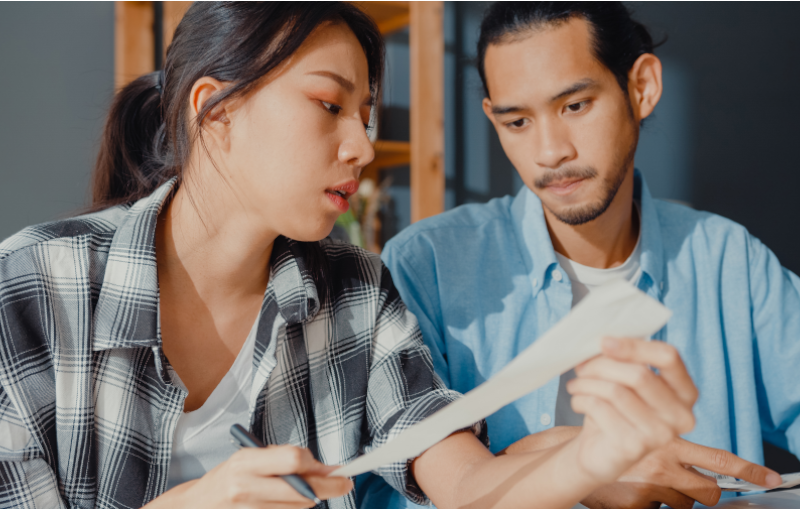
(246, 439)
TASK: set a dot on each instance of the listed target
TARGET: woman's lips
(340, 194)
(342, 204)
(564, 187)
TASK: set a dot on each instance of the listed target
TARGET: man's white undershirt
(202, 438)
(584, 279)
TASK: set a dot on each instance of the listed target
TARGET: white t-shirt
(584, 279)
(202, 438)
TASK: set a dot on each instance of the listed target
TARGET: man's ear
(645, 85)
(216, 123)
(487, 110)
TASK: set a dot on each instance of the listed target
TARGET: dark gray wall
(724, 136)
(56, 82)
(737, 66)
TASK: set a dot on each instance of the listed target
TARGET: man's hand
(666, 476)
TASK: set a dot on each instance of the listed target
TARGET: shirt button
(557, 276)
(545, 419)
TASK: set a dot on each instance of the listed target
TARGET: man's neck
(605, 242)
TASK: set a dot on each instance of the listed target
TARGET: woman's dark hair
(618, 39)
(148, 136)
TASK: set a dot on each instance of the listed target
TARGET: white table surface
(789, 499)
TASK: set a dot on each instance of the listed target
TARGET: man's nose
(553, 145)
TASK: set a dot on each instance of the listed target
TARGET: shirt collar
(126, 315)
(537, 248)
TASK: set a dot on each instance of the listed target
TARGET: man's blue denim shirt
(480, 279)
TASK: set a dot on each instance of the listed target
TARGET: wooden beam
(389, 16)
(426, 45)
(173, 13)
(134, 48)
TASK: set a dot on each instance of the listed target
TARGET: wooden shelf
(389, 16)
(388, 153)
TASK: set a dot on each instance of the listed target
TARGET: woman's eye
(516, 123)
(575, 108)
(333, 108)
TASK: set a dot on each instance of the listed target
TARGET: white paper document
(616, 309)
(728, 483)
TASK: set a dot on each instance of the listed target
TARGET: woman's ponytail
(132, 161)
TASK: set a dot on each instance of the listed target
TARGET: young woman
(202, 293)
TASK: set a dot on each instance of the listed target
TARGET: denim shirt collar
(537, 247)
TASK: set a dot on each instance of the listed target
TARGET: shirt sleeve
(775, 297)
(26, 480)
(403, 388)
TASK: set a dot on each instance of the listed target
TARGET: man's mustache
(587, 172)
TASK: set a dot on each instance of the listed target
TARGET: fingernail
(774, 479)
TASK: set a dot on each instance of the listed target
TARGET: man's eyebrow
(503, 110)
(574, 89)
(341, 80)
(580, 86)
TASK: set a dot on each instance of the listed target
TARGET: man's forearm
(545, 478)
(542, 440)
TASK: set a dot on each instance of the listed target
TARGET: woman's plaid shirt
(87, 406)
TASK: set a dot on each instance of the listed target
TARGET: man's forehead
(542, 64)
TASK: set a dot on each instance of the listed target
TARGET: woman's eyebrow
(341, 80)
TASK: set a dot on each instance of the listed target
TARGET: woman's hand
(630, 410)
(249, 479)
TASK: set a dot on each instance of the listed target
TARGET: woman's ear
(645, 85)
(216, 123)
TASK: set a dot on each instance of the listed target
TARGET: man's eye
(574, 108)
(517, 123)
(333, 108)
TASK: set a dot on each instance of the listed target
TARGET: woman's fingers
(329, 487)
(279, 460)
(257, 489)
(651, 388)
(660, 355)
(254, 476)
(655, 431)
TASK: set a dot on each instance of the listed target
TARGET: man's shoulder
(461, 222)
(680, 223)
(94, 229)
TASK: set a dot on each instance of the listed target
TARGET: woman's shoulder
(352, 267)
(343, 255)
(89, 231)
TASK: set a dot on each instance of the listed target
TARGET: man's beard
(578, 215)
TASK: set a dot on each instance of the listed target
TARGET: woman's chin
(310, 235)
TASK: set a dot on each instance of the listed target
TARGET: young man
(567, 87)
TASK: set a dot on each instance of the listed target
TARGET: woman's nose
(356, 149)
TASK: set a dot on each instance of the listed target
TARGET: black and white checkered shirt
(87, 405)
